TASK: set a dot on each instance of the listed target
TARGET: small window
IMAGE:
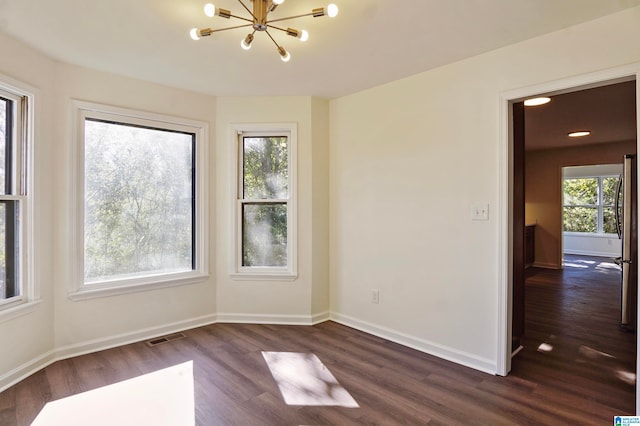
(265, 202)
(140, 206)
(14, 198)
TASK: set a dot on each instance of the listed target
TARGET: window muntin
(142, 204)
(13, 198)
(265, 202)
(589, 204)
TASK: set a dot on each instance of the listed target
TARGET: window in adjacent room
(142, 199)
(265, 244)
(589, 204)
(15, 218)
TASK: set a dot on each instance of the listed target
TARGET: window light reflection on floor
(304, 380)
(545, 347)
(162, 398)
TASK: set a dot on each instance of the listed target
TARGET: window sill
(14, 311)
(263, 276)
(590, 235)
(94, 291)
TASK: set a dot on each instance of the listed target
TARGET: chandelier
(259, 21)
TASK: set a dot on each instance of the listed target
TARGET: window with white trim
(15, 217)
(143, 200)
(588, 205)
(265, 209)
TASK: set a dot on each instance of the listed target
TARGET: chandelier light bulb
(194, 34)
(332, 10)
(209, 10)
(304, 35)
(284, 55)
(277, 2)
(246, 42)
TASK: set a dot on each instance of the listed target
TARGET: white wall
(592, 244)
(304, 300)
(409, 159)
(29, 337)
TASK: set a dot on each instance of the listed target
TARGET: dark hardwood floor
(573, 342)
(581, 378)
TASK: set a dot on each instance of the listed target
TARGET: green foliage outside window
(138, 201)
(265, 190)
(583, 202)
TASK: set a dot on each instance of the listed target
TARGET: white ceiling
(369, 43)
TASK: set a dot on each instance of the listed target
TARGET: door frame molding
(505, 177)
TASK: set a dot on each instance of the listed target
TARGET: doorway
(507, 202)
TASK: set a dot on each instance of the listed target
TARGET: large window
(14, 217)
(589, 204)
(141, 208)
(265, 209)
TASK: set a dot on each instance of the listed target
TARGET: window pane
(265, 168)
(608, 220)
(580, 219)
(609, 190)
(139, 217)
(5, 140)
(264, 236)
(8, 250)
(581, 191)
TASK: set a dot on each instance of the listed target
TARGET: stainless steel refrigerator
(626, 214)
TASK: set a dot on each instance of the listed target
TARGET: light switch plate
(480, 211)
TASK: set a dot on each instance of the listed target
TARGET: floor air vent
(165, 339)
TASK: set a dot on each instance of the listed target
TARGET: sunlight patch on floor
(608, 266)
(626, 376)
(304, 380)
(164, 397)
(575, 265)
(545, 347)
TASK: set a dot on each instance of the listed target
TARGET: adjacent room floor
(573, 340)
(577, 367)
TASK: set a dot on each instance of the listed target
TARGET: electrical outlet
(375, 296)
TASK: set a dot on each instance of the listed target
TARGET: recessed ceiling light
(579, 134)
(537, 101)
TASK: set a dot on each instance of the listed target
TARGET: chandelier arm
(290, 17)
(247, 9)
(242, 18)
(277, 28)
(272, 39)
(231, 28)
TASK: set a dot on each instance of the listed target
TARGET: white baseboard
(274, 319)
(25, 370)
(132, 337)
(440, 351)
(592, 253)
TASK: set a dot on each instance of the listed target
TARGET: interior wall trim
(38, 363)
(23, 371)
(273, 319)
(450, 354)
